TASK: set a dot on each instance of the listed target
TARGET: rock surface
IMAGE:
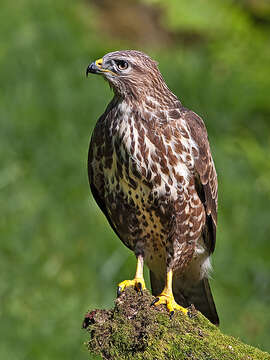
(135, 330)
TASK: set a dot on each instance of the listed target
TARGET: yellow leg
(138, 281)
(166, 297)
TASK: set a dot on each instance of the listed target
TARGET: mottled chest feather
(141, 168)
(135, 149)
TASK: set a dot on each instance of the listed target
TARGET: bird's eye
(122, 64)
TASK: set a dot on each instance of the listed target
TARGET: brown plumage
(152, 174)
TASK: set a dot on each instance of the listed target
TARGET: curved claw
(154, 301)
(140, 287)
(168, 300)
(119, 290)
(138, 283)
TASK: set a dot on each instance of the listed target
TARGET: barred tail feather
(201, 296)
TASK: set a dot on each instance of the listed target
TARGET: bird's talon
(140, 288)
(138, 284)
(168, 299)
(154, 301)
(119, 290)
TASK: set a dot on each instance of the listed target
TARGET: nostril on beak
(99, 62)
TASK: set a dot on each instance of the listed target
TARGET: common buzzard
(152, 174)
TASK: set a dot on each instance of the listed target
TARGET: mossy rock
(136, 330)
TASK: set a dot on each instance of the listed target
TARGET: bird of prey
(152, 174)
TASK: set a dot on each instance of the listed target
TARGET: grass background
(58, 255)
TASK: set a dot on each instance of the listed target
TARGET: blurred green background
(58, 255)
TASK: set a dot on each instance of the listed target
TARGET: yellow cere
(99, 62)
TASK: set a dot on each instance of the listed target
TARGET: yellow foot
(171, 304)
(138, 283)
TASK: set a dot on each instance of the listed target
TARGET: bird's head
(129, 72)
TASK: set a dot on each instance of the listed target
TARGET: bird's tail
(199, 294)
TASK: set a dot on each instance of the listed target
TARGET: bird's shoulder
(192, 127)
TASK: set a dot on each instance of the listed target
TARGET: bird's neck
(151, 105)
(145, 91)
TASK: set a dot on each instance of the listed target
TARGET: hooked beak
(95, 67)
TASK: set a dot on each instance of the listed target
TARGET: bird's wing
(100, 201)
(102, 206)
(97, 135)
(206, 176)
(199, 293)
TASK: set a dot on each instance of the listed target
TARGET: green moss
(135, 330)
